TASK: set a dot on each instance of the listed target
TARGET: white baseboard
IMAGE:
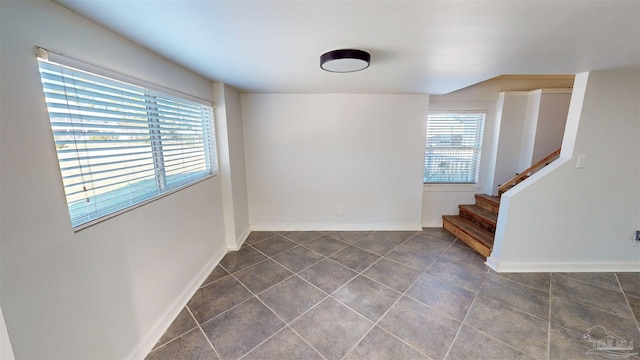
(240, 240)
(432, 222)
(491, 263)
(336, 227)
(146, 344)
(6, 350)
(563, 267)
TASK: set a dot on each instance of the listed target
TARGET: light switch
(582, 161)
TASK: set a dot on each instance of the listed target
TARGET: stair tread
(481, 213)
(491, 203)
(489, 198)
(481, 235)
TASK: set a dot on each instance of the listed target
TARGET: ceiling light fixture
(345, 60)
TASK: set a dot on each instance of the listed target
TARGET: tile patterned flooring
(393, 295)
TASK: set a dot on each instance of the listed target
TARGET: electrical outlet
(636, 238)
(339, 210)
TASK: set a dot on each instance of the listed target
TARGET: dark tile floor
(395, 295)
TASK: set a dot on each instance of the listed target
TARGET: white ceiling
(416, 46)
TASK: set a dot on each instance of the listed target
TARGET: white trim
(6, 350)
(493, 264)
(432, 223)
(240, 240)
(517, 92)
(145, 345)
(135, 206)
(563, 267)
(556, 91)
(450, 187)
(336, 227)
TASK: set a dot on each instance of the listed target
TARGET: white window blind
(120, 145)
(454, 143)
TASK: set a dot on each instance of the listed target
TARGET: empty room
(288, 179)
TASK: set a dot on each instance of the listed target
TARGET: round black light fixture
(345, 60)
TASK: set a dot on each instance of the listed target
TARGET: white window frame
(441, 146)
(122, 151)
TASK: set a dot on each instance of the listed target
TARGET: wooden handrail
(525, 174)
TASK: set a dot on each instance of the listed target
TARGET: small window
(454, 142)
(120, 145)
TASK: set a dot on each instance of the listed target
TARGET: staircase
(475, 225)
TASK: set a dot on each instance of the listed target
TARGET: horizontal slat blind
(454, 142)
(119, 144)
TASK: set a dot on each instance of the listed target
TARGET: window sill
(135, 206)
(450, 187)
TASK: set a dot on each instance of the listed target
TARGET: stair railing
(526, 173)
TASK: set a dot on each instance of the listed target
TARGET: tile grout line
(259, 241)
(464, 318)
(573, 331)
(341, 303)
(397, 300)
(550, 323)
(402, 294)
(361, 273)
(199, 325)
(463, 322)
(590, 283)
(517, 308)
(577, 301)
(203, 333)
(626, 298)
(303, 269)
(228, 273)
(170, 341)
(496, 339)
(300, 243)
(422, 272)
(243, 301)
(286, 324)
(192, 316)
(328, 257)
(492, 272)
(253, 295)
(485, 333)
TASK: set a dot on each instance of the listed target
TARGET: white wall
(308, 154)
(552, 118)
(230, 136)
(237, 156)
(108, 291)
(438, 200)
(510, 138)
(568, 219)
(528, 142)
(544, 124)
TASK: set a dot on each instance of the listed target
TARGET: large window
(454, 141)
(120, 145)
